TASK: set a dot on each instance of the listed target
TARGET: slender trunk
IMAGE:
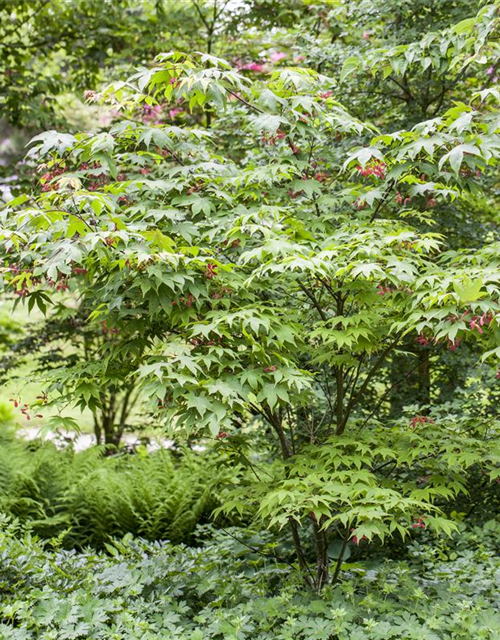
(396, 396)
(294, 527)
(339, 400)
(339, 380)
(97, 429)
(424, 377)
(208, 111)
(109, 431)
(340, 560)
(299, 552)
(322, 560)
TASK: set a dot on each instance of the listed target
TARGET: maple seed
(414, 422)
(211, 271)
(355, 540)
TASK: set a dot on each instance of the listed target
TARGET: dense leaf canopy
(264, 241)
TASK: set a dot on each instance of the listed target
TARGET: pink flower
(417, 420)
(477, 322)
(382, 291)
(360, 205)
(490, 70)
(252, 66)
(320, 176)
(211, 271)
(90, 96)
(277, 56)
(425, 342)
(414, 422)
(174, 112)
(299, 58)
(366, 35)
(152, 114)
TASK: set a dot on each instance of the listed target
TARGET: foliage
(224, 590)
(64, 341)
(6, 413)
(267, 259)
(356, 474)
(88, 498)
(52, 49)
(275, 280)
(43, 53)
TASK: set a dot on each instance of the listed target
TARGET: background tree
(60, 350)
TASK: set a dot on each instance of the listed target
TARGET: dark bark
(322, 560)
(110, 423)
(424, 377)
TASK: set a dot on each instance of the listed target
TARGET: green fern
(163, 495)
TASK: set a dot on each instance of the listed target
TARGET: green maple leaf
(469, 290)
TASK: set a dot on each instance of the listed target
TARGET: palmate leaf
(468, 290)
(262, 271)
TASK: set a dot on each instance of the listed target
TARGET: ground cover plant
(222, 590)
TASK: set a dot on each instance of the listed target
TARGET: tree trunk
(97, 430)
(424, 377)
(322, 560)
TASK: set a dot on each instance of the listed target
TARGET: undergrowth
(222, 590)
(93, 498)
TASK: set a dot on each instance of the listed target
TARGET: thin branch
(403, 87)
(383, 201)
(338, 566)
(16, 27)
(355, 396)
(256, 550)
(398, 382)
(314, 301)
(243, 101)
(200, 13)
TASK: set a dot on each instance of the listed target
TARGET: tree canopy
(288, 232)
